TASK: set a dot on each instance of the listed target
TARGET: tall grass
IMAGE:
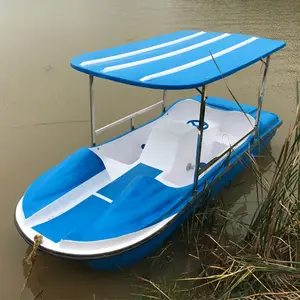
(262, 264)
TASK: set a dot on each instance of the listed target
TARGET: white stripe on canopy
(123, 55)
(166, 55)
(197, 62)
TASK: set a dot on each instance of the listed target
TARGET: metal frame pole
(199, 138)
(164, 100)
(132, 123)
(92, 110)
(261, 95)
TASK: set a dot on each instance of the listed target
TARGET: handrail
(228, 150)
(129, 117)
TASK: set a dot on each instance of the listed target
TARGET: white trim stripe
(103, 197)
(166, 55)
(123, 55)
(197, 62)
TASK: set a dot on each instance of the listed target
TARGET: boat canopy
(180, 60)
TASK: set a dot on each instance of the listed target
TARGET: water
(44, 107)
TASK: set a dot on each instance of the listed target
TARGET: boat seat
(182, 171)
(166, 140)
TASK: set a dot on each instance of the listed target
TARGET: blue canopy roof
(179, 60)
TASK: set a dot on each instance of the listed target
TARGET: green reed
(264, 263)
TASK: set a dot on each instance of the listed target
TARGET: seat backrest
(163, 143)
(183, 168)
(180, 173)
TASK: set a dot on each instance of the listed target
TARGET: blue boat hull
(221, 172)
(132, 256)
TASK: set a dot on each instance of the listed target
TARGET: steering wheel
(196, 123)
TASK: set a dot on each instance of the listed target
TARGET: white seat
(180, 174)
(164, 141)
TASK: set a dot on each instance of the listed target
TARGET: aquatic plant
(264, 263)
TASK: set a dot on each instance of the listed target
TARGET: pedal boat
(113, 204)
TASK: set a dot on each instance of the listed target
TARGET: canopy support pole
(164, 100)
(261, 95)
(199, 138)
(92, 110)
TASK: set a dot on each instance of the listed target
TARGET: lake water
(44, 106)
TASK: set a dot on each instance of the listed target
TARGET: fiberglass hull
(224, 172)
